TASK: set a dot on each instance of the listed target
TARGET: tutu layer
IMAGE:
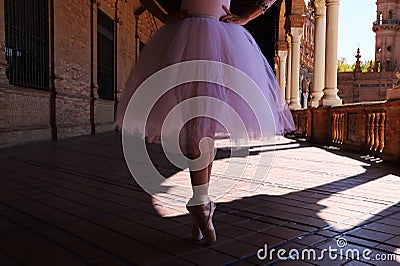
(203, 39)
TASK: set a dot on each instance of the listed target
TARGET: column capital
(282, 55)
(296, 34)
(332, 2)
(320, 8)
(319, 3)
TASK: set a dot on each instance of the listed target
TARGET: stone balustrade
(368, 128)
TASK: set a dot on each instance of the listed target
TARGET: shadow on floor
(73, 202)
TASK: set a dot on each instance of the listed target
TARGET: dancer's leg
(200, 206)
(200, 171)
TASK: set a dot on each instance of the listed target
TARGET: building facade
(307, 57)
(63, 64)
(373, 85)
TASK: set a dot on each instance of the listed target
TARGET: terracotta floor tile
(105, 261)
(394, 241)
(128, 248)
(233, 231)
(271, 220)
(229, 219)
(327, 233)
(260, 240)
(361, 241)
(389, 249)
(77, 200)
(371, 235)
(283, 232)
(236, 249)
(310, 240)
(254, 225)
(7, 260)
(208, 256)
(34, 250)
(294, 263)
(356, 263)
(174, 261)
(389, 221)
(170, 244)
(73, 244)
(384, 228)
(301, 227)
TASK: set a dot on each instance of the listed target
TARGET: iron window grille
(105, 56)
(27, 42)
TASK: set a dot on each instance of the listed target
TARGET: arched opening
(310, 86)
(390, 15)
(380, 17)
(264, 28)
(304, 93)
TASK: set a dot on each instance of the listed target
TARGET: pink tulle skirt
(203, 39)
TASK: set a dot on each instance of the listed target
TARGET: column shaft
(289, 70)
(319, 53)
(282, 70)
(330, 91)
(294, 93)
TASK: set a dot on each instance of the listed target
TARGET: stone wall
(364, 87)
(25, 113)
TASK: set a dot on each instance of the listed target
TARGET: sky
(355, 29)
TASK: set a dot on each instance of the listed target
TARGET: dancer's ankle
(198, 200)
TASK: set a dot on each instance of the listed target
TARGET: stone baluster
(382, 132)
(376, 131)
(371, 131)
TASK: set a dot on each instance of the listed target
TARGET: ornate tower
(387, 30)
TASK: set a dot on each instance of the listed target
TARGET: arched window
(390, 15)
(380, 16)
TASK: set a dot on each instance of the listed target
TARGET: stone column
(93, 64)
(330, 91)
(319, 52)
(296, 34)
(282, 70)
(289, 70)
(94, 86)
(3, 61)
(276, 67)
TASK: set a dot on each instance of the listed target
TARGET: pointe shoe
(203, 215)
(196, 233)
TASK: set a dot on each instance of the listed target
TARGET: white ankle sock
(200, 195)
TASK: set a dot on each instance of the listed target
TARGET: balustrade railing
(371, 128)
(338, 128)
(386, 22)
(376, 131)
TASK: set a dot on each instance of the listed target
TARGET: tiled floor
(74, 202)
